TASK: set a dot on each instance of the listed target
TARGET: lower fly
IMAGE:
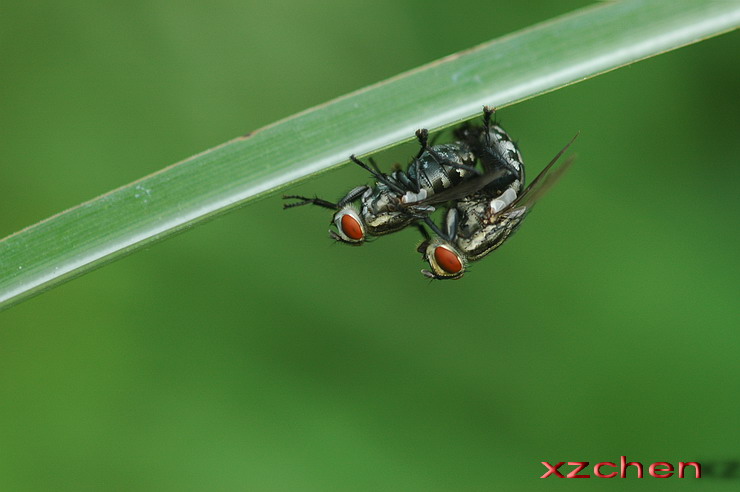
(483, 221)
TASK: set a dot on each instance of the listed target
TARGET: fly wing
(544, 181)
(465, 188)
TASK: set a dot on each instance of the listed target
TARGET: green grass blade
(519, 66)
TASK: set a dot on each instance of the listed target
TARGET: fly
(401, 198)
(482, 221)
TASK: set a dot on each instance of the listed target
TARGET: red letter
(574, 473)
(624, 465)
(552, 469)
(605, 463)
(654, 469)
(682, 465)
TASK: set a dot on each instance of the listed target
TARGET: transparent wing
(544, 181)
(465, 188)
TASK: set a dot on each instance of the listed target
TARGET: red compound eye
(447, 260)
(351, 227)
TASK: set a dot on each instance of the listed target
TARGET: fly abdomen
(438, 168)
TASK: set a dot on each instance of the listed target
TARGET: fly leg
(397, 177)
(450, 232)
(353, 195)
(379, 176)
(448, 235)
(407, 182)
(375, 166)
(422, 135)
(305, 201)
(487, 114)
(422, 248)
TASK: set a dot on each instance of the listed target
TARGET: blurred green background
(252, 353)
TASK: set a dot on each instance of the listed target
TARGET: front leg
(353, 195)
(437, 230)
(306, 201)
(422, 248)
(377, 174)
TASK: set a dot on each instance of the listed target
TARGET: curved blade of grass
(519, 66)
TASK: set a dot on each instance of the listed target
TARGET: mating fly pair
(484, 206)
